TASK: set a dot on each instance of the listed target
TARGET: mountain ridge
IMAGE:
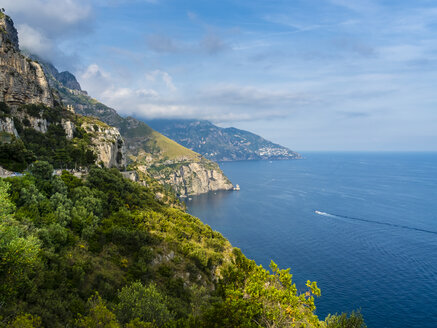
(221, 144)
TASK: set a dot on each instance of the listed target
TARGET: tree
(254, 297)
(6, 206)
(26, 321)
(42, 170)
(99, 316)
(355, 320)
(144, 303)
(19, 249)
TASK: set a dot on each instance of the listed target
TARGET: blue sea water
(372, 245)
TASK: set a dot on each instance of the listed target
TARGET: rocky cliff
(148, 151)
(193, 178)
(7, 126)
(22, 81)
(107, 142)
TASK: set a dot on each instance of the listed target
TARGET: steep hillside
(102, 252)
(221, 144)
(148, 151)
(22, 81)
(34, 126)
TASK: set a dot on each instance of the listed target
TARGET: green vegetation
(172, 150)
(103, 252)
(53, 146)
(355, 319)
(5, 111)
(161, 147)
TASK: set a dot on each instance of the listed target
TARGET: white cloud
(218, 103)
(161, 76)
(34, 41)
(43, 24)
(53, 17)
(95, 80)
(147, 93)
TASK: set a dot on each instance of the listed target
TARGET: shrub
(147, 304)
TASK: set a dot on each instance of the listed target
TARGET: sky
(308, 74)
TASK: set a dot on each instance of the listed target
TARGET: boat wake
(375, 222)
(324, 214)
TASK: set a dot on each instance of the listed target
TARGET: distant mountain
(221, 144)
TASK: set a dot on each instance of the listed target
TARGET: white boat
(237, 187)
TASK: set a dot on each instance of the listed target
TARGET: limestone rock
(108, 144)
(69, 128)
(39, 124)
(7, 125)
(191, 178)
(22, 81)
(8, 34)
(5, 173)
(197, 179)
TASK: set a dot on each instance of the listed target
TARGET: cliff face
(107, 142)
(187, 178)
(193, 178)
(22, 81)
(7, 125)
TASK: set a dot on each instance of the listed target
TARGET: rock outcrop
(7, 125)
(188, 178)
(107, 142)
(5, 173)
(69, 128)
(22, 81)
(195, 179)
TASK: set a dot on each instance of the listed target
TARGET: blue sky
(311, 75)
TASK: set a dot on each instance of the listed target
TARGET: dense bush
(4, 110)
(14, 155)
(52, 146)
(55, 148)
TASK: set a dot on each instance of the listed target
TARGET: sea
(363, 225)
